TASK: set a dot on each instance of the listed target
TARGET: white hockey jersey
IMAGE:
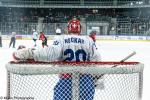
(69, 48)
(35, 35)
(65, 48)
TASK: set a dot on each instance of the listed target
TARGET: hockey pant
(63, 89)
(12, 41)
(44, 43)
(34, 41)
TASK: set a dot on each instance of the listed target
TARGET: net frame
(74, 67)
(59, 67)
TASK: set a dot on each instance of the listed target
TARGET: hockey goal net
(37, 81)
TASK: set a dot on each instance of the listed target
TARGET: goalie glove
(99, 84)
(24, 54)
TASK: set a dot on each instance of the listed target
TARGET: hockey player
(93, 36)
(34, 36)
(68, 48)
(43, 38)
(13, 39)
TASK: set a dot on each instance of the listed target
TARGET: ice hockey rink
(110, 51)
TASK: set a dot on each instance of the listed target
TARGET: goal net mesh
(75, 81)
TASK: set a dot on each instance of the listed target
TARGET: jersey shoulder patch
(57, 40)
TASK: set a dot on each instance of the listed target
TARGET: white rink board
(110, 51)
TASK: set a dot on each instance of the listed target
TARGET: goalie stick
(126, 58)
(96, 78)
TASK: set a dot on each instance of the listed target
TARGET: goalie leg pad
(87, 88)
(63, 89)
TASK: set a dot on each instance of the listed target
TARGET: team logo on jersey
(55, 43)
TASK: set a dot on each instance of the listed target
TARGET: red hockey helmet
(93, 33)
(74, 26)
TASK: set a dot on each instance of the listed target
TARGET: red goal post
(123, 82)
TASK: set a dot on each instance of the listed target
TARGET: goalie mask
(74, 26)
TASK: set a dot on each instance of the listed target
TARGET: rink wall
(99, 38)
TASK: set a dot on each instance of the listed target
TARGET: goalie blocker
(98, 79)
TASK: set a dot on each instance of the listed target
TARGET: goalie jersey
(63, 48)
(69, 48)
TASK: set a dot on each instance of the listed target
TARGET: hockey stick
(126, 58)
(96, 78)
